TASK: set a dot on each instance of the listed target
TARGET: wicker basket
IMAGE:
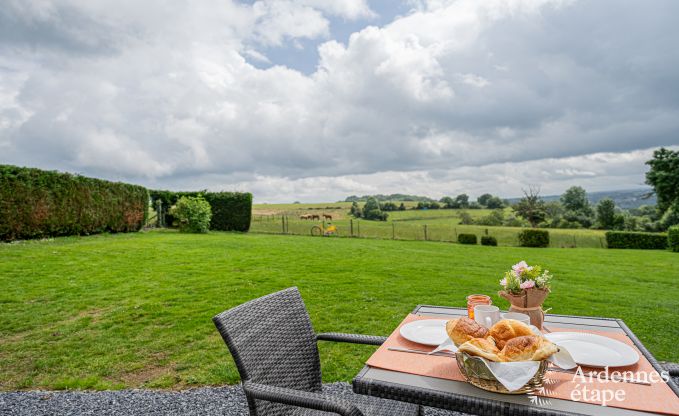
(478, 374)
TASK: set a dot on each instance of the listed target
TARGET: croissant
(461, 330)
(507, 329)
(528, 348)
(482, 347)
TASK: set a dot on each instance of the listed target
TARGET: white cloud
(454, 94)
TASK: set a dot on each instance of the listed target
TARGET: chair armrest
(300, 398)
(351, 338)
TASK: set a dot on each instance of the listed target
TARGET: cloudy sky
(314, 100)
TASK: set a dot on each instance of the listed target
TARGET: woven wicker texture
(274, 347)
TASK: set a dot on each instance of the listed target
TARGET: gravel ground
(227, 401)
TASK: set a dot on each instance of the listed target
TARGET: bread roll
(482, 347)
(528, 348)
(507, 329)
(461, 330)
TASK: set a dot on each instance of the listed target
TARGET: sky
(315, 100)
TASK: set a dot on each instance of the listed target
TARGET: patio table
(464, 397)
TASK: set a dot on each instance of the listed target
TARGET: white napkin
(514, 375)
(447, 345)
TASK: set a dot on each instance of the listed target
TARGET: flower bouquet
(526, 288)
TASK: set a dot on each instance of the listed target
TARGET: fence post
(351, 224)
(455, 231)
(393, 231)
(425, 232)
(358, 225)
(575, 242)
(283, 223)
(486, 231)
(601, 241)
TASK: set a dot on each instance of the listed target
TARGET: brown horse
(327, 217)
(304, 217)
(315, 217)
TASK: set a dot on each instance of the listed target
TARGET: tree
(355, 210)
(402, 207)
(575, 199)
(462, 200)
(434, 205)
(483, 199)
(388, 206)
(664, 178)
(606, 216)
(494, 202)
(448, 202)
(531, 207)
(576, 207)
(372, 211)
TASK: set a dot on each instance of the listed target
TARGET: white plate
(593, 350)
(428, 331)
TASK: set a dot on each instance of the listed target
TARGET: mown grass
(134, 310)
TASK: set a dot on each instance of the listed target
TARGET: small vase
(528, 302)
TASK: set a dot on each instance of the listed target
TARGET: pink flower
(520, 267)
(503, 282)
(527, 284)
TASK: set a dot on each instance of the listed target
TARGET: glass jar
(473, 300)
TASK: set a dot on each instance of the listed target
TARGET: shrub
(642, 241)
(193, 214)
(534, 238)
(673, 238)
(488, 240)
(372, 211)
(466, 238)
(35, 203)
(231, 211)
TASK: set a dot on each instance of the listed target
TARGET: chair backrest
(272, 341)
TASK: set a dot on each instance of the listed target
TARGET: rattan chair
(274, 347)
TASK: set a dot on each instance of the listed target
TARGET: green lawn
(134, 310)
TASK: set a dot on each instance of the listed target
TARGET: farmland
(435, 225)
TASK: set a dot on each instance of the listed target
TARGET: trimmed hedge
(534, 238)
(35, 203)
(673, 238)
(231, 211)
(641, 241)
(466, 238)
(488, 240)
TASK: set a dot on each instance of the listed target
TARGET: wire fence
(444, 231)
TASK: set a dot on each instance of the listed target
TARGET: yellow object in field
(331, 229)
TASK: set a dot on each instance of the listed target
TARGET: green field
(440, 224)
(133, 310)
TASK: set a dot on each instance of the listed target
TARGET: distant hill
(626, 199)
(392, 197)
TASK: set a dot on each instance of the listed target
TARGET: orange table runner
(657, 397)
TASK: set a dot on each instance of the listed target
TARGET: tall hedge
(534, 238)
(673, 238)
(35, 203)
(642, 241)
(231, 211)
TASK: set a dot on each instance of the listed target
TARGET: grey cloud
(164, 96)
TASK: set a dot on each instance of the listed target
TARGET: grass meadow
(441, 225)
(134, 310)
